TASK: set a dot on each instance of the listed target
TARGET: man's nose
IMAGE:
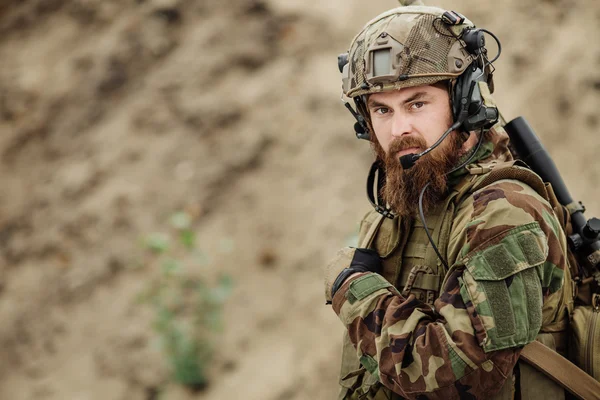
(401, 125)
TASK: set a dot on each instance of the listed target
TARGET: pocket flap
(512, 251)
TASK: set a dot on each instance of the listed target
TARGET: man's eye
(381, 110)
(417, 104)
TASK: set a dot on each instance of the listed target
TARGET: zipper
(589, 357)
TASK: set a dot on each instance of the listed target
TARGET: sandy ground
(115, 114)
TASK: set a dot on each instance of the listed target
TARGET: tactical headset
(470, 109)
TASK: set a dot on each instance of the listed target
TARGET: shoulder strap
(561, 370)
(370, 235)
(512, 170)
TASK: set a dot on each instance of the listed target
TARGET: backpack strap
(516, 170)
(561, 370)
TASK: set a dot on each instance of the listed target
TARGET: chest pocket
(389, 238)
(422, 272)
(410, 264)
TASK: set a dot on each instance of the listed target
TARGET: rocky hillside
(116, 114)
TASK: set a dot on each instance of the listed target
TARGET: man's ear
(464, 135)
(470, 141)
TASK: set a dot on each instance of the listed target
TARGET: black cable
(455, 36)
(473, 152)
(497, 42)
(422, 214)
(442, 138)
(452, 34)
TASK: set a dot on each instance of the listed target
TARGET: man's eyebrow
(416, 96)
(374, 103)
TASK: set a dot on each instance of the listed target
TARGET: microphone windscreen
(358, 128)
(408, 160)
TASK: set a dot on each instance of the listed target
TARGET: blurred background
(175, 173)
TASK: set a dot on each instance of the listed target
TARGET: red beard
(403, 187)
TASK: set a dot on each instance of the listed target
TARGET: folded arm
(489, 307)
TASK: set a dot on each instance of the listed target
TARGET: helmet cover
(404, 47)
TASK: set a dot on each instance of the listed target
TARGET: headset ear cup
(456, 93)
(361, 107)
(460, 100)
(468, 103)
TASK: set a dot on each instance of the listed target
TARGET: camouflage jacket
(507, 258)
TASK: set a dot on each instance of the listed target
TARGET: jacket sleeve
(489, 307)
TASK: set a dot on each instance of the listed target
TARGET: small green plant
(188, 311)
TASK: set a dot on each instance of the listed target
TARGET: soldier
(455, 271)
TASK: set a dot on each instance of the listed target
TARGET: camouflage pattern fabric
(426, 50)
(507, 257)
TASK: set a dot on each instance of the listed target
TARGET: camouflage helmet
(408, 46)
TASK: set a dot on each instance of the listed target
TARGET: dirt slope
(114, 114)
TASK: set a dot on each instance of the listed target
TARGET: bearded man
(458, 267)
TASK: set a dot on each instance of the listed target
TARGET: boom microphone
(408, 160)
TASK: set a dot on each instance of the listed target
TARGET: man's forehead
(404, 94)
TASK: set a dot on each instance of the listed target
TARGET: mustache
(406, 143)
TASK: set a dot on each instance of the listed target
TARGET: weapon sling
(561, 370)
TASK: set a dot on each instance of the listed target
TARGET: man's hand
(348, 262)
